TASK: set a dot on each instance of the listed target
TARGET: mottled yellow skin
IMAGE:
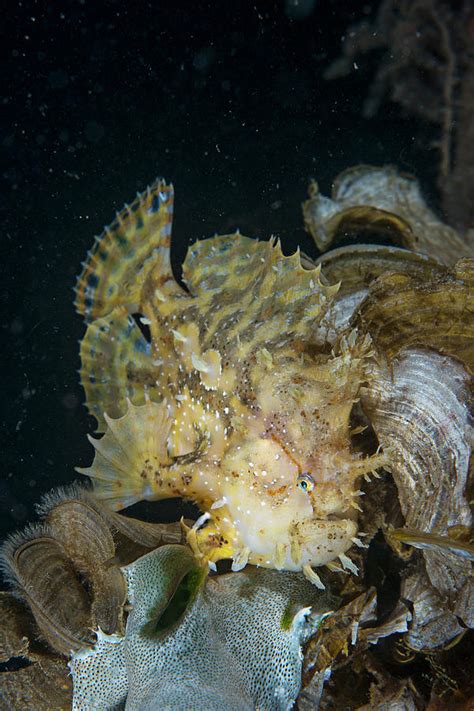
(231, 399)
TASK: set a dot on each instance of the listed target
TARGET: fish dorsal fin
(135, 244)
(211, 263)
(248, 290)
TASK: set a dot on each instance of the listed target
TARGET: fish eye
(305, 482)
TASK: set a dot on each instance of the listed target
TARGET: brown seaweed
(67, 568)
(380, 202)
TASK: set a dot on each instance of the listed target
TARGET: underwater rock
(232, 642)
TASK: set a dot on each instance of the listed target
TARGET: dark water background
(226, 99)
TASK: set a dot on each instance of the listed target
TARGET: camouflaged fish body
(220, 394)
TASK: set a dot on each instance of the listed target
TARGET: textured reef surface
(319, 414)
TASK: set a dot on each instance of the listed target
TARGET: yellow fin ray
(132, 457)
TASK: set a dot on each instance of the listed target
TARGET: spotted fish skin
(225, 393)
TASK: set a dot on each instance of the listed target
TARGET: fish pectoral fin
(241, 558)
(206, 541)
(131, 460)
(313, 577)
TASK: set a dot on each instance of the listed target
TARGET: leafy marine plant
(418, 307)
